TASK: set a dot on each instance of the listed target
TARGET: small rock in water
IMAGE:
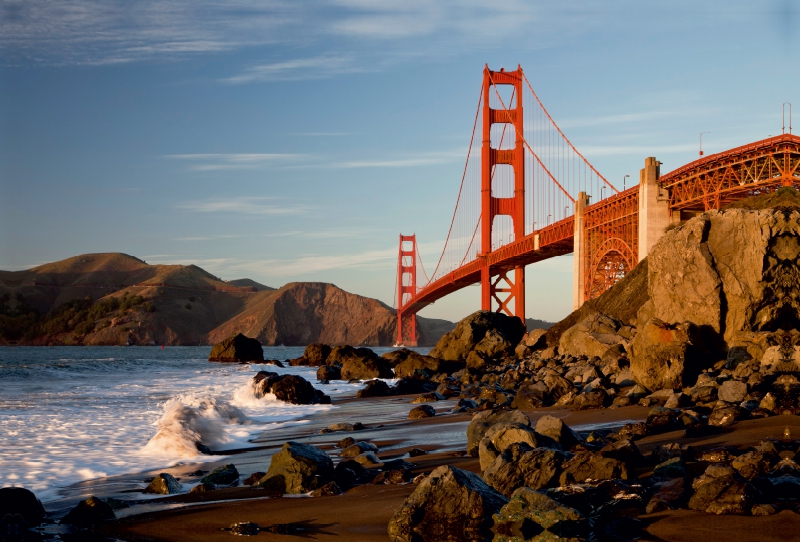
(341, 426)
(253, 478)
(346, 442)
(202, 488)
(225, 475)
(358, 448)
(244, 528)
(415, 452)
(89, 512)
(368, 459)
(164, 484)
(422, 411)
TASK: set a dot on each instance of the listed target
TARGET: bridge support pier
(654, 215)
(579, 254)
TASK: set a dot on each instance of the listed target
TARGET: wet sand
(363, 512)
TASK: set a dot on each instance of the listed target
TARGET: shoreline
(362, 513)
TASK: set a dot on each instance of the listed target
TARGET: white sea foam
(69, 414)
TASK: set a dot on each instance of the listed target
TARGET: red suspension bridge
(525, 197)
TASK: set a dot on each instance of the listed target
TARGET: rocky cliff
(118, 299)
(723, 285)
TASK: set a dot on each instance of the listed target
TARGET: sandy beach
(362, 513)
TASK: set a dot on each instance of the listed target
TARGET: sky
(294, 140)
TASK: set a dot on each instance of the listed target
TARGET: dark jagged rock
(365, 368)
(237, 349)
(531, 396)
(317, 354)
(22, 502)
(585, 466)
(225, 475)
(375, 388)
(349, 473)
(89, 512)
(721, 490)
(164, 484)
(523, 466)
(289, 388)
(450, 505)
(297, 468)
(329, 372)
(416, 365)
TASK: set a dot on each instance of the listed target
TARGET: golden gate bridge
(525, 196)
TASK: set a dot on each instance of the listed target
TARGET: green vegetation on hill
(77, 315)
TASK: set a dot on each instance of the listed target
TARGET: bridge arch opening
(612, 261)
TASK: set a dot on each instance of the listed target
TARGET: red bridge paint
(531, 178)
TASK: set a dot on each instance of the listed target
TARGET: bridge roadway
(612, 237)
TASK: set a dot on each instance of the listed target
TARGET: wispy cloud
(217, 162)
(419, 159)
(343, 32)
(245, 206)
(297, 69)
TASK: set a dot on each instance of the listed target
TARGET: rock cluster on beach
(702, 337)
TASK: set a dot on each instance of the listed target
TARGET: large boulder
(365, 368)
(523, 466)
(502, 435)
(470, 332)
(416, 365)
(585, 466)
(237, 349)
(591, 337)
(297, 468)
(22, 502)
(531, 515)
(482, 421)
(664, 356)
(556, 429)
(317, 354)
(721, 490)
(288, 388)
(730, 271)
(450, 505)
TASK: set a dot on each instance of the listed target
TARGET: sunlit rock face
(733, 273)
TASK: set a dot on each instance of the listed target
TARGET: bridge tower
(406, 284)
(504, 288)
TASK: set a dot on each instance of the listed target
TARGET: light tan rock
(592, 336)
(663, 356)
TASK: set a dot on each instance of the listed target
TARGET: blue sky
(293, 141)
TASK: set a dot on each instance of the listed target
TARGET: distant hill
(119, 299)
(249, 282)
(532, 323)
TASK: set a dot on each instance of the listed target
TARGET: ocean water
(70, 414)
